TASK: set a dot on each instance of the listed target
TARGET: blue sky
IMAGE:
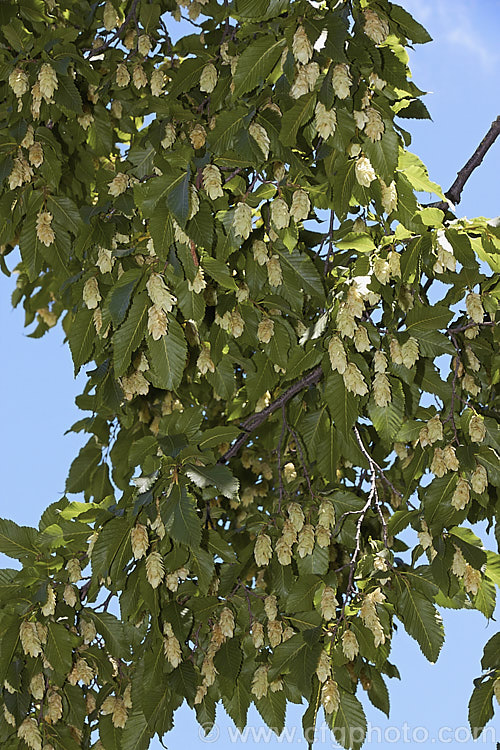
(461, 70)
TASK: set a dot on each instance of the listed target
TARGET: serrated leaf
(255, 63)
(420, 617)
(238, 703)
(178, 199)
(130, 334)
(17, 541)
(296, 116)
(349, 723)
(167, 357)
(342, 404)
(59, 648)
(68, 96)
(215, 476)
(118, 299)
(481, 706)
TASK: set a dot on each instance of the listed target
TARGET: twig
(372, 462)
(253, 422)
(373, 491)
(455, 192)
(280, 445)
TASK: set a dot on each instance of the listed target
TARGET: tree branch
(253, 422)
(455, 192)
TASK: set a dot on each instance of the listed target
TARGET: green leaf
(215, 476)
(272, 708)
(83, 466)
(178, 199)
(342, 404)
(9, 641)
(65, 212)
(344, 179)
(412, 29)
(238, 703)
(17, 541)
(201, 228)
(349, 723)
(481, 706)
(118, 300)
(383, 154)
(228, 124)
(59, 648)
(130, 334)
(424, 318)
(136, 733)
(219, 271)
(255, 63)
(185, 527)
(421, 619)
(167, 357)
(31, 247)
(81, 336)
(297, 658)
(67, 95)
(387, 420)
(295, 117)
(305, 271)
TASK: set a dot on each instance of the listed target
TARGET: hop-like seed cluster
(409, 352)
(479, 480)
(324, 668)
(36, 154)
(29, 732)
(110, 17)
(265, 331)
(30, 640)
(365, 174)
(208, 78)
(389, 196)
(368, 613)
(374, 127)
(472, 579)
(260, 682)
(257, 634)
(70, 595)
(154, 569)
(212, 181)
(263, 550)
(305, 80)
(226, 622)
(204, 362)
(330, 697)
(74, 570)
(461, 495)
(477, 429)
(122, 76)
(19, 82)
(474, 307)
(260, 136)
(328, 604)
(44, 230)
(118, 184)
(322, 536)
(341, 80)
(274, 272)
(159, 293)
(337, 354)
(350, 645)
(171, 646)
(198, 284)
(301, 205)
(87, 630)
(91, 293)
(140, 541)
(157, 322)
(37, 686)
(49, 607)
(280, 215)
(47, 80)
(157, 82)
(198, 136)
(242, 221)
(139, 77)
(325, 121)
(302, 48)
(260, 252)
(381, 389)
(445, 258)
(375, 27)
(144, 45)
(354, 381)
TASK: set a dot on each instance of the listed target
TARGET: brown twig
(455, 192)
(254, 421)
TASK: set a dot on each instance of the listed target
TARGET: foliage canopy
(295, 360)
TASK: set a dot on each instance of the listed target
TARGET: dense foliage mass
(294, 361)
